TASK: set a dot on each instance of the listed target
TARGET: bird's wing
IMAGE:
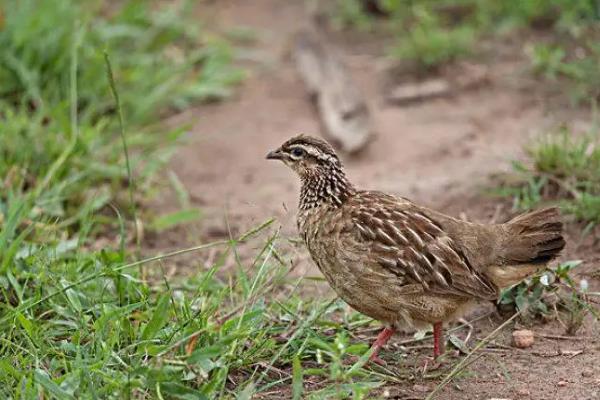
(414, 246)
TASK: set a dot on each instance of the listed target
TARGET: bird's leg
(438, 340)
(381, 340)
(438, 347)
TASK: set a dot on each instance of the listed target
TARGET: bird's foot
(377, 360)
(431, 364)
(381, 340)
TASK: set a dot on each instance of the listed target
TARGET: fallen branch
(459, 77)
(344, 113)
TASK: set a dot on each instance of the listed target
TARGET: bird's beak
(275, 155)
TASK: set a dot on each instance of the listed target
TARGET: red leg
(438, 340)
(381, 340)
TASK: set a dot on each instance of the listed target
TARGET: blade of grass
(297, 379)
(64, 156)
(159, 318)
(130, 181)
(307, 323)
(244, 237)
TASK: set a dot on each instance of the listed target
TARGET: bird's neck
(327, 186)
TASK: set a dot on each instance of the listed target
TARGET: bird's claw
(431, 364)
(379, 361)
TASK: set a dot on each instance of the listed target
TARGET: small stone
(587, 373)
(562, 383)
(420, 388)
(523, 392)
(523, 338)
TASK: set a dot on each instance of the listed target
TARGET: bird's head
(319, 169)
(307, 156)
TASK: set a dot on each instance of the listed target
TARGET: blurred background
(131, 128)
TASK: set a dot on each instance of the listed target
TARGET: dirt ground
(437, 153)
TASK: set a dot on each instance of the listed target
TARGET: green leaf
(26, 324)
(459, 344)
(569, 265)
(297, 378)
(159, 318)
(205, 353)
(357, 348)
(203, 357)
(15, 284)
(179, 391)
(44, 380)
(247, 393)
(101, 323)
(420, 334)
(244, 320)
(521, 302)
(171, 220)
(72, 295)
(321, 344)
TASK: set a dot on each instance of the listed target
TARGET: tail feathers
(534, 237)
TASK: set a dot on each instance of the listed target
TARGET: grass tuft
(112, 335)
(429, 42)
(564, 168)
(77, 320)
(430, 34)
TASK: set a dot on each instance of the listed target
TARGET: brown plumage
(401, 263)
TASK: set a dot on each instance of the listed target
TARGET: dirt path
(428, 152)
(433, 152)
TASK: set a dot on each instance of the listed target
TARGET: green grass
(576, 71)
(82, 149)
(61, 150)
(162, 58)
(81, 325)
(563, 168)
(430, 43)
(75, 167)
(552, 293)
(350, 14)
(432, 33)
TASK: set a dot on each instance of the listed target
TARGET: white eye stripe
(305, 149)
(311, 151)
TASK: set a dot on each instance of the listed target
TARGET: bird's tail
(534, 237)
(531, 240)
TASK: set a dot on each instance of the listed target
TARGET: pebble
(523, 338)
(420, 388)
(523, 392)
(562, 383)
(587, 373)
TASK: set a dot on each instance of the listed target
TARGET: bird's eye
(297, 152)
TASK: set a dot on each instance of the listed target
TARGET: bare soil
(438, 153)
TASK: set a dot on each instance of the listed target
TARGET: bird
(401, 263)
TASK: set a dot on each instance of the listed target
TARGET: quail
(401, 263)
